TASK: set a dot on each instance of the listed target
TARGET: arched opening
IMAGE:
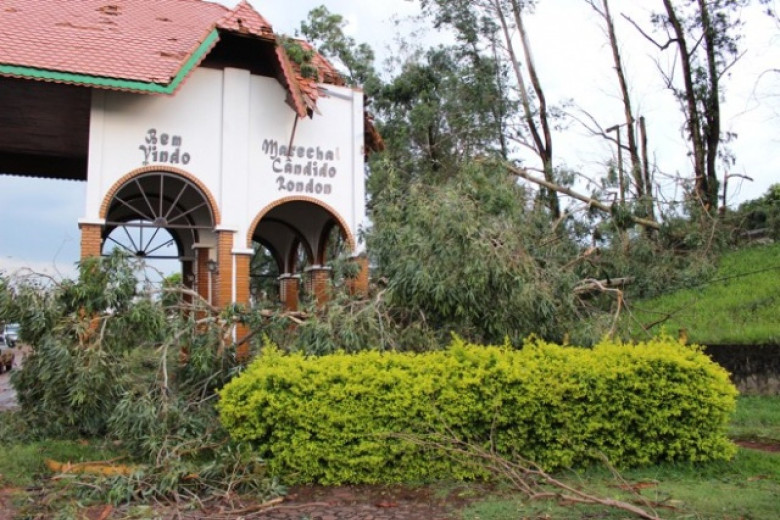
(163, 219)
(303, 239)
(264, 274)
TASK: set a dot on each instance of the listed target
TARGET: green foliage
(738, 304)
(12, 428)
(116, 364)
(443, 107)
(678, 257)
(345, 418)
(76, 371)
(469, 257)
(347, 324)
(301, 57)
(762, 213)
(228, 467)
(325, 30)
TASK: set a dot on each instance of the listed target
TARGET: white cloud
(12, 267)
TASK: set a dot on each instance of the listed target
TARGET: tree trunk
(522, 173)
(712, 106)
(693, 120)
(633, 149)
(541, 145)
(546, 148)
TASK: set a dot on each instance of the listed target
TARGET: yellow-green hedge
(335, 419)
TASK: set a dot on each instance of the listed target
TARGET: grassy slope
(740, 306)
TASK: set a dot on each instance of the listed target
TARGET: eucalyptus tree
(704, 37)
(497, 27)
(443, 107)
(636, 136)
(475, 256)
(325, 30)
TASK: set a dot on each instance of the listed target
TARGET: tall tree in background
(443, 107)
(325, 30)
(704, 35)
(640, 169)
(499, 25)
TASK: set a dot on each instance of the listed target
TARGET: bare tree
(640, 170)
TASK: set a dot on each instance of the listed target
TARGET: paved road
(7, 394)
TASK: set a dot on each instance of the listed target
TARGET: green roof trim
(114, 83)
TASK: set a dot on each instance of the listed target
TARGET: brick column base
(289, 287)
(242, 297)
(202, 275)
(224, 293)
(91, 240)
(319, 283)
(358, 286)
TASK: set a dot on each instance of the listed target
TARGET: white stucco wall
(326, 162)
(229, 128)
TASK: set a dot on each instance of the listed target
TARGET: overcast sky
(39, 217)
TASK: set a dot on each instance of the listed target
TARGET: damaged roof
(137, 45)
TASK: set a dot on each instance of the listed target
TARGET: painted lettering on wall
(163, 148)
(293, 163)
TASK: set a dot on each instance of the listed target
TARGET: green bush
(348, 417)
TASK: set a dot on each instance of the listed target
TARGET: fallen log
(589, 286)
(521, 172)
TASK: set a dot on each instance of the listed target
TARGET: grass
(746, 488)
(23, 463)
(739, 306)
(757, 418)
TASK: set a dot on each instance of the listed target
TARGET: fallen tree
(590, 201)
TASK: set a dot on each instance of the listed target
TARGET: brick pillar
(91, 240)
(91, 245)
(202, 273)
(188, 279)
(358, 286)
(289, 286)
(224, 283)
(319, 283)
(242, 297)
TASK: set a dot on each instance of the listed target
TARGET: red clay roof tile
(141, 40)
(245, 20)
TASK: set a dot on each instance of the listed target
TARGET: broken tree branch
(528, 477)
(523, 173)
(590, 285)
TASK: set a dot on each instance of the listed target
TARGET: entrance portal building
(188, 118)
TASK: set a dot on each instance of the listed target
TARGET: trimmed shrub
(346, 418)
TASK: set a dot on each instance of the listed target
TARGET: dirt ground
(356, 503)
(301, 503)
